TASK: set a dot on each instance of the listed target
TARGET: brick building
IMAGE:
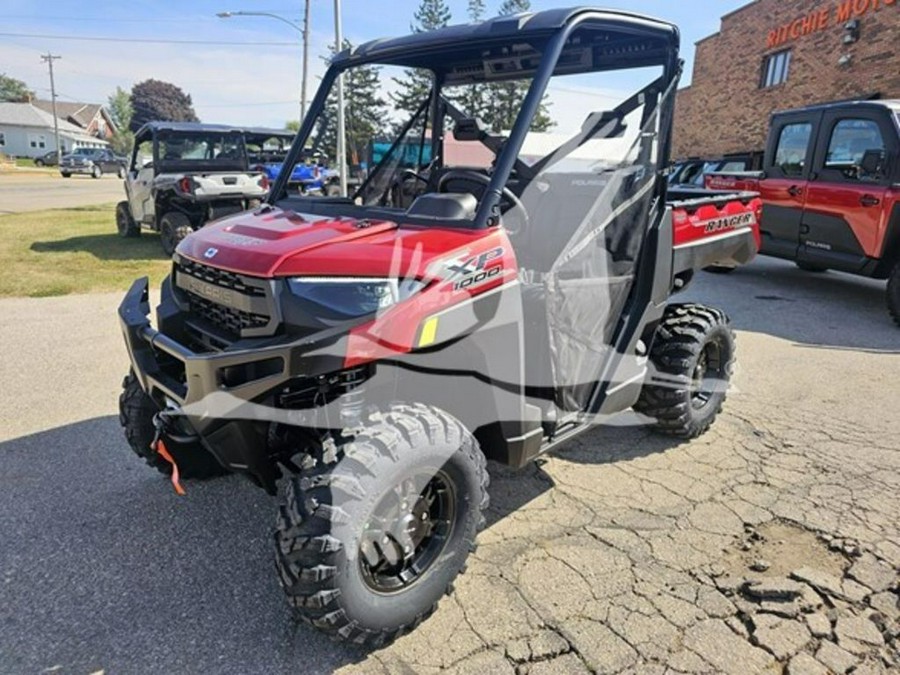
(777, 54)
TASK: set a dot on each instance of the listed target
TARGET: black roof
(890, 104)
(531, 24)
(268, 132)
(189, 127)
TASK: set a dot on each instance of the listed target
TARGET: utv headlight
(353, 296)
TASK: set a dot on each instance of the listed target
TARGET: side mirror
(870, 164)
(469, 129)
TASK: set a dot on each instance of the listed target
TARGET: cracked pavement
(769, 545)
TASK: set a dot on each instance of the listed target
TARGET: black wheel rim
(407, 532)
(709, 375)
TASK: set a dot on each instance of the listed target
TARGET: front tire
(121, 172)
(893, 294)
(136, 411)
(125, 224)
(65, 174)
(173, 227)
(371, 534)
(693, 358)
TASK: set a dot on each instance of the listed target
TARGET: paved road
(621, 552)
(45, 190)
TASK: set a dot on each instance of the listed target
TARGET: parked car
(93, 162)
(366, 356)
(184, 174)
(830, 187)
(49, 159)
(692, 172)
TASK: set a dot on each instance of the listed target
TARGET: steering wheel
(483, 179)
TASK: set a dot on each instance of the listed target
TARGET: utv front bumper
(203, 384)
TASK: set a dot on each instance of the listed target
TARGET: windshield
(189, 151)
(426, 142)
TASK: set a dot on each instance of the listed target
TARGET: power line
(87, 38)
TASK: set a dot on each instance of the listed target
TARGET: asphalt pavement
(38, 190)
(602, 557)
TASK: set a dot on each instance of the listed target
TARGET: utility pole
(49, 58)
(305, 61)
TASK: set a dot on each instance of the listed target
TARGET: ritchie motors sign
(825, 18)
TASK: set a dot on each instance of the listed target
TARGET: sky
(241, 70)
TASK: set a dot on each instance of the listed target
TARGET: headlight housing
(352, 297)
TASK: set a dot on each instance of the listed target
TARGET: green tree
(473, 98)
(292, 125)
(13, 90)
(158, 100)
(507, 97)
(416, 83)
(121, 111)
(365, 113)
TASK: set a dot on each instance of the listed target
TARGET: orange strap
(164, 453)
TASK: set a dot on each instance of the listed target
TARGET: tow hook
(159, 446)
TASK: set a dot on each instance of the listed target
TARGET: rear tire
(808, 267)
(693, 356)
(173, 227)
(64, 174)
(39, 162)
(893, 294)
(371, 534)
(125, 224)
(96, 172)
(136, 411)
(121, 172)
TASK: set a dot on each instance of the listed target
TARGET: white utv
(183, 175)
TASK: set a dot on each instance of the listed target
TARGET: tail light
(263, 182)
(186, 185)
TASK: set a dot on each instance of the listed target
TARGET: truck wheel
(893, 294)
(96, 172)
(173, 227)
(693, 356)
(121, 172)
(719, 269)
(136, 411)
(808, 267)
(65, 174)
(371, 534)
(125, 223)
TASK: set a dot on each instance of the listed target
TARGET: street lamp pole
(305, 61)
(303, 30)
(341, 136)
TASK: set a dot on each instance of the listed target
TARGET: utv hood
(270, 243)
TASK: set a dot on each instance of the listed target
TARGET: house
(93, 118)
(27, 131)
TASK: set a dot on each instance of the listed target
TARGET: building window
(775, 68)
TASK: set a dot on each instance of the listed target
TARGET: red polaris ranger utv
(363, 355)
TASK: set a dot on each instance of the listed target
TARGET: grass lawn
(74, 251)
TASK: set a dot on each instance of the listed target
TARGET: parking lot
(31, 191)
(620, 552)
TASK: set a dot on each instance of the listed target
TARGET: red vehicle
(363, 356)
(831, 189)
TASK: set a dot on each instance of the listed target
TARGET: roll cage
(536, 46)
